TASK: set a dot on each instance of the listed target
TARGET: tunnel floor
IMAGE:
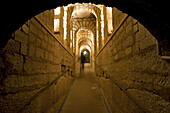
(85, 95)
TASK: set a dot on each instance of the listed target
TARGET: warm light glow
(71, 34)
(73, 42)
(97, 35)
(84, 52)
(57, 11)
(56, 25)
(102, 28)
(70, 45)
(109, 19)
(84, 33)
(65, 23)
(85, 47)
(86, 7)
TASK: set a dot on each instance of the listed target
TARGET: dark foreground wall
(131, 58)
(31, 59)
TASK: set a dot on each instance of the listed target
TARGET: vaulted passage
(85, 58)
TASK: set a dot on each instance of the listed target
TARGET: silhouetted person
(82, 60)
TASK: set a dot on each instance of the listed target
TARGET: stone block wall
(131, 58)
(32, 59)
(117, 16)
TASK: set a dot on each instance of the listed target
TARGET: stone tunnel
(127, 68)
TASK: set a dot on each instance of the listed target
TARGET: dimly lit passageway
(127, 59)
(85, 95)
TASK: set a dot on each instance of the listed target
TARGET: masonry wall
(31, 60)
(131, 59)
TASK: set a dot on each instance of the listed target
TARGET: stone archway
(87, 55)
(43, 55)
(153, 18)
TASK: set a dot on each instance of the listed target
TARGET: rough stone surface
(27, 65)
(135, 64)
(33, 58)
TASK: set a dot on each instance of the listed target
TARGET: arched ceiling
(84, 10)
(152, 14)
(85, 42)
(85, 22)
(83, 39)
(83, 47)
(83, 14)
(84, 33)
(86, 50)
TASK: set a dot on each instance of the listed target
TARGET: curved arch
(75, 11)
(86, 30)
(80, 24)
(84, 43)
(87, 55)
(84, 47)
(78, 30)
(146, 12)
(82, 39)
(85, 50)
(92, 7)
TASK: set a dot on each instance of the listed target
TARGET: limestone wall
(31, 59)
(131, 58)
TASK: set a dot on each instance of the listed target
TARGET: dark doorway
(86, 53)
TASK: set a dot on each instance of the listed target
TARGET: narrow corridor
(126, 43)
(85, 96)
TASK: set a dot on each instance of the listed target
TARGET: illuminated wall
(95, 19)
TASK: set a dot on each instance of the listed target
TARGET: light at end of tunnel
(85, 47)
(84, 52)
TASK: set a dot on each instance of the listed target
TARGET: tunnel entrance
(86, 53)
